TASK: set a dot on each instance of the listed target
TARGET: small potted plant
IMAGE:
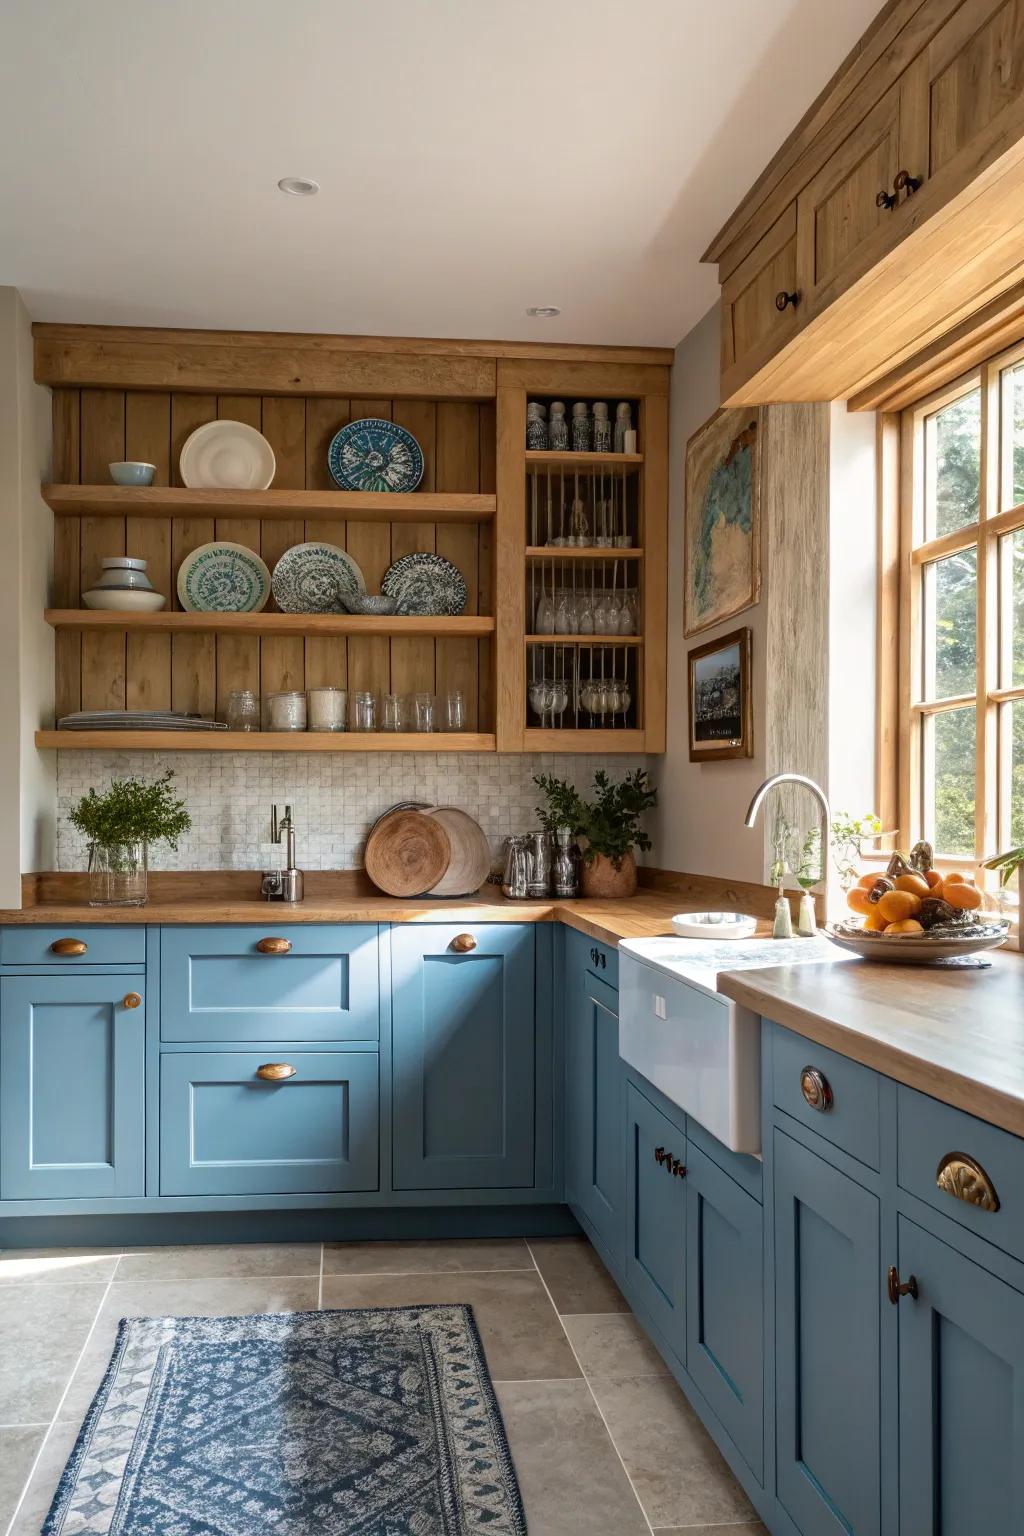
(609, 825)
(120, 826)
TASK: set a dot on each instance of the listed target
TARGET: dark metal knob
(896, 1290)
(886, 200)
(904, 182)
(660, 1155)
(816, 1089)
(784, 299)
(595, 957)
(678, 1168)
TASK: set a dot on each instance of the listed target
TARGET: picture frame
(722, 519)
(719, 706)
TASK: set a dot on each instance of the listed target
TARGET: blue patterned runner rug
(372, 1422)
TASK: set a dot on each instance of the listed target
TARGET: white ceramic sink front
(700, 1049)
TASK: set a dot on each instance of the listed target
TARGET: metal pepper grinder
(283, 884)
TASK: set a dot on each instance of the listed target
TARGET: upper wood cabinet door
(974, 78)
(760, 299)
(842, 227)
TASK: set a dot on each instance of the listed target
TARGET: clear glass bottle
(536, 425)
(558, 428)
(581, 432)
(564, 874)
(602, 428)
(623, 424)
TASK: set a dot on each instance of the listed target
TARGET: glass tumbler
(423, 711)
(243, 710)
(454, 711)
(391, 712)
(364, 712)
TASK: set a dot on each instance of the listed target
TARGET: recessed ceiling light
(543, 311)
(299, 186)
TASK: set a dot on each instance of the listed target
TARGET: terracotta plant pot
(600, 877)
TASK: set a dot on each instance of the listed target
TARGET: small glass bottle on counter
(327, 709)
(287, 711)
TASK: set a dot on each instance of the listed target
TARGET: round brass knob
(904, 182)
(783, 300)
(274, 946)
(462, 943)
(275, 1071)
(816, 1089)
(68, 947)
(132, 1000)
(896, 1290)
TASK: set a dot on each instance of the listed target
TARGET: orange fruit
(933, 878)
(962, 895)
(857, 900)
(916, 883)
(896, 906)
(956, 878)
(875, 923)
(868, 880)
(907, 925)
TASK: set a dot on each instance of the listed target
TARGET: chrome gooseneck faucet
(807, 924)
(283, 884)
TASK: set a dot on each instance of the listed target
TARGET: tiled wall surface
(334, 798)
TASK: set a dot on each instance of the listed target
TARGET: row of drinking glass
(599, 697)
(565, 611)
(336, 709)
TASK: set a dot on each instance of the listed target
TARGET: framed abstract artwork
(722, 535)
(720, 713)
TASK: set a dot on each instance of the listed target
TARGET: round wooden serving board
(471, 853)
(407, 853)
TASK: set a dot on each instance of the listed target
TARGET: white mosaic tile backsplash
(335, 798)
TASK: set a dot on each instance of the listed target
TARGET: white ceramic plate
(313, 577)
(223, 578)
(227, 456)
(714, 925)
(917, 949)
(124, 599)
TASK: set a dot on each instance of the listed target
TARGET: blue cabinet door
(725, 1300)
(464, 1048)
(72, 1086)
(655, 1268)
(595, 1143)
(961, 1394)
(828, 1297)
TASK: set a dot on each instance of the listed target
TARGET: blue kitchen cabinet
(828, 1297)
(655, 1261)
(464, 1056)
(725, 1301)
(72, 1086)
(961, 1400)
(595, 1107)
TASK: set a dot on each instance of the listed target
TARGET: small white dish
(227, 456)
(124, 600)
(132, 472)
(714, 925)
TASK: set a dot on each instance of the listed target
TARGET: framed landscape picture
(722, 555)
(719, 699)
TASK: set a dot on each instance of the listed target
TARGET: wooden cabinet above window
(892, 216)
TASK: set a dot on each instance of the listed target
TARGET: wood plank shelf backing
(167, 622)
(180, 501)
(267, 741)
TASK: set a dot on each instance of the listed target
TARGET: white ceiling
(475, 157)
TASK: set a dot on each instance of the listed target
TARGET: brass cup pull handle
(886, 200)
(816, 1089)
(68, 947)
(132, 1000)
(274, 946)
(463, 943)
(896, 1289)
(965, 1179)
(904, 182)
(275, 1071)
(783, 300)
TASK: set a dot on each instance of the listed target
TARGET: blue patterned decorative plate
(223, 578)
(426, 583)
(375, 455)
(313, 578)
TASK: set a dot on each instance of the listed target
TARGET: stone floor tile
(731, 1528)
(18, 1449)
(248, 1261)
(39, 1495)
(46, 1326)
(57, 1266)
(575, 1276)
(426, 1257)
(570, 1476)
(612, 1344)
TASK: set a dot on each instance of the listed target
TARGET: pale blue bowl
(132, 472)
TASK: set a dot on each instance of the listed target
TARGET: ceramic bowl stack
(123, 587)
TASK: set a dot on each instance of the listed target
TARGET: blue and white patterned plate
(223, 578)
(313, 578)
(375, 455)
(426, 583)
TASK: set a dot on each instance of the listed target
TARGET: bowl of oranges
(913, 913)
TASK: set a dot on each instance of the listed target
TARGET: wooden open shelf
(167, 501)
(549, 456)
(584, 639)
(600, 739)
(268, 741)
(573, 552)
(168, 622)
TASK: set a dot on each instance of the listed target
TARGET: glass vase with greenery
(120, 825)
(609, 824)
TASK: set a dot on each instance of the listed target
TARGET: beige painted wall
(27, 777)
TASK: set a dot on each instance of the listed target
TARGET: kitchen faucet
(807, 925)
(283, 884)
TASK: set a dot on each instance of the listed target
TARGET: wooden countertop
(957, 1035)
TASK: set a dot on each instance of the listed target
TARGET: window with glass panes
(962, 611)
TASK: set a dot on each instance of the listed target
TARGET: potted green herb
(609, 824)
(120, 826)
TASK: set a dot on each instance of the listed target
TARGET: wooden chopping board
(471, 853)
(407, 853)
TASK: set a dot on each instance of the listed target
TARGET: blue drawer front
(217, 985)
(601, 960)
(852, 1120)
(103, 945)
(224, 1131)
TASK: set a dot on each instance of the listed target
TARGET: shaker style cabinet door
(961, 1405)
(828, 1298)
(464, 1047)
(595, 1142)
(655, 1266)
(761, 301)
(72, 1086)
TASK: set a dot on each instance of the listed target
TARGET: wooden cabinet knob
(462, 943)
(275, 1071)
(68, 947)
(274, 946)
(132, 1000)
(783, 300)
(963, 1178)
(816, 1089)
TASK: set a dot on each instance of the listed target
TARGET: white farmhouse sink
(700, 1049)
